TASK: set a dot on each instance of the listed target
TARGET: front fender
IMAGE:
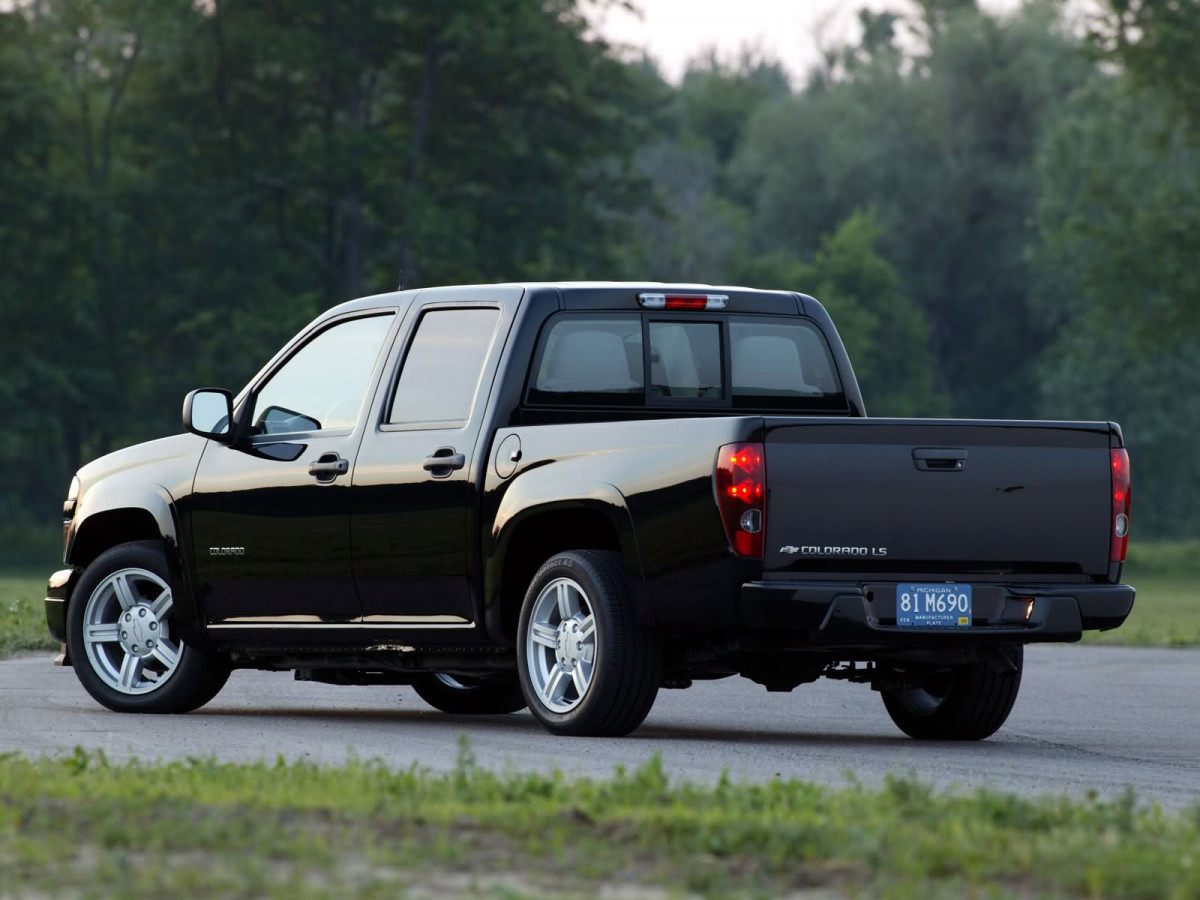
(132, 495)
(125, 509)
(124, 495)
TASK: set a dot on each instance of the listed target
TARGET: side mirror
(208, 412)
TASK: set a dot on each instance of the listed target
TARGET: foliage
(305, 830)
(22, 615)
(1119, 221)
(1003, 217)
(1157, 42)
(886, 334)
(940, 145)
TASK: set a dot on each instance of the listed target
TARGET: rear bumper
(863, 615)
(58, 594)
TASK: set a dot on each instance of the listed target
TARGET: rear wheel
(122, 641)
(495, 695)
(969, 703)
(587, 666)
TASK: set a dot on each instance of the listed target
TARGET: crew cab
(569, 496)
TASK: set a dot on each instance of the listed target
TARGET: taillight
(683, 301)
(742, 496)
(1121, 504)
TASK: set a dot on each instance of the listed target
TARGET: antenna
(400, 286)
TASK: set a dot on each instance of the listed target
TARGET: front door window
(323, 385)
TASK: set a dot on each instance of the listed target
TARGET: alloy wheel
(127, 632)
(561, 645)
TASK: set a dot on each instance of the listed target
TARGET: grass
(84, 826)
(1166, 614)
(22, 614)
(1167, 610)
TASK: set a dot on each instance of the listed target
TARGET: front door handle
(444, 461)
(327, 467)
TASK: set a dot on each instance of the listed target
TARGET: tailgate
(933, 497)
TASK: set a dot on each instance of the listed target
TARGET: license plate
(933, 605)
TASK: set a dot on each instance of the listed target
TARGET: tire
(471, 697)
(131, 585)
(621, 672)
(969, 705)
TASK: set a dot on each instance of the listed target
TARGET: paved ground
(1087, 718)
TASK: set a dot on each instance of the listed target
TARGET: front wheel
(969, 703)
(495, 695)
(122, 640)
(586, 664)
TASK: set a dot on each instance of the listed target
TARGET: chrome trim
(449, 620)
(360, 626)
(357, 622)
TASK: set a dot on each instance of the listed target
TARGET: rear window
(782, 365)
(591, 361)
(685, 360)
(761, 363)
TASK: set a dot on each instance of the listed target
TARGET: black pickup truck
(568, 496)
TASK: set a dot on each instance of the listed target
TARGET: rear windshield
(737, 362)
(782, 365)
(595, 361)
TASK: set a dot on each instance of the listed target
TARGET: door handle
(327, 467)
(444, 461)
(939, 459)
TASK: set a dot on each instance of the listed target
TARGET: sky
(673, 31)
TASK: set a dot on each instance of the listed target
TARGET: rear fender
(542, 493)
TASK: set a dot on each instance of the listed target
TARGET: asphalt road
(1087, 718)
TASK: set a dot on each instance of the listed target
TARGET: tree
(941, 145)
(186, 183)
(1118, 283)
(1157, 42)
(885, 333)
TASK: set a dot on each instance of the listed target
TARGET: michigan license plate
(933, 605)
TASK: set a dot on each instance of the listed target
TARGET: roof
(394, 298)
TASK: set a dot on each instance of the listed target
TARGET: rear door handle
(444, 461)
(327, 467)
(939, 459)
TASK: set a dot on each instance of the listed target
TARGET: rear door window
(439, 380)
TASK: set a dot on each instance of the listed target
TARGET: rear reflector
(741, 477)
(1122, 504)
(683, 301)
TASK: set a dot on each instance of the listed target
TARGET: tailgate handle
(939, 459)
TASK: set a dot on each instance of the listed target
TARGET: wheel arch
(111, 515)
(526, 537)
(107, 528)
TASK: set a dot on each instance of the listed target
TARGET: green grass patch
(23, 615)
(82, 825)
(1167, 610)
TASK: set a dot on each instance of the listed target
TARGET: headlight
(72, 496)
(69, 513)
